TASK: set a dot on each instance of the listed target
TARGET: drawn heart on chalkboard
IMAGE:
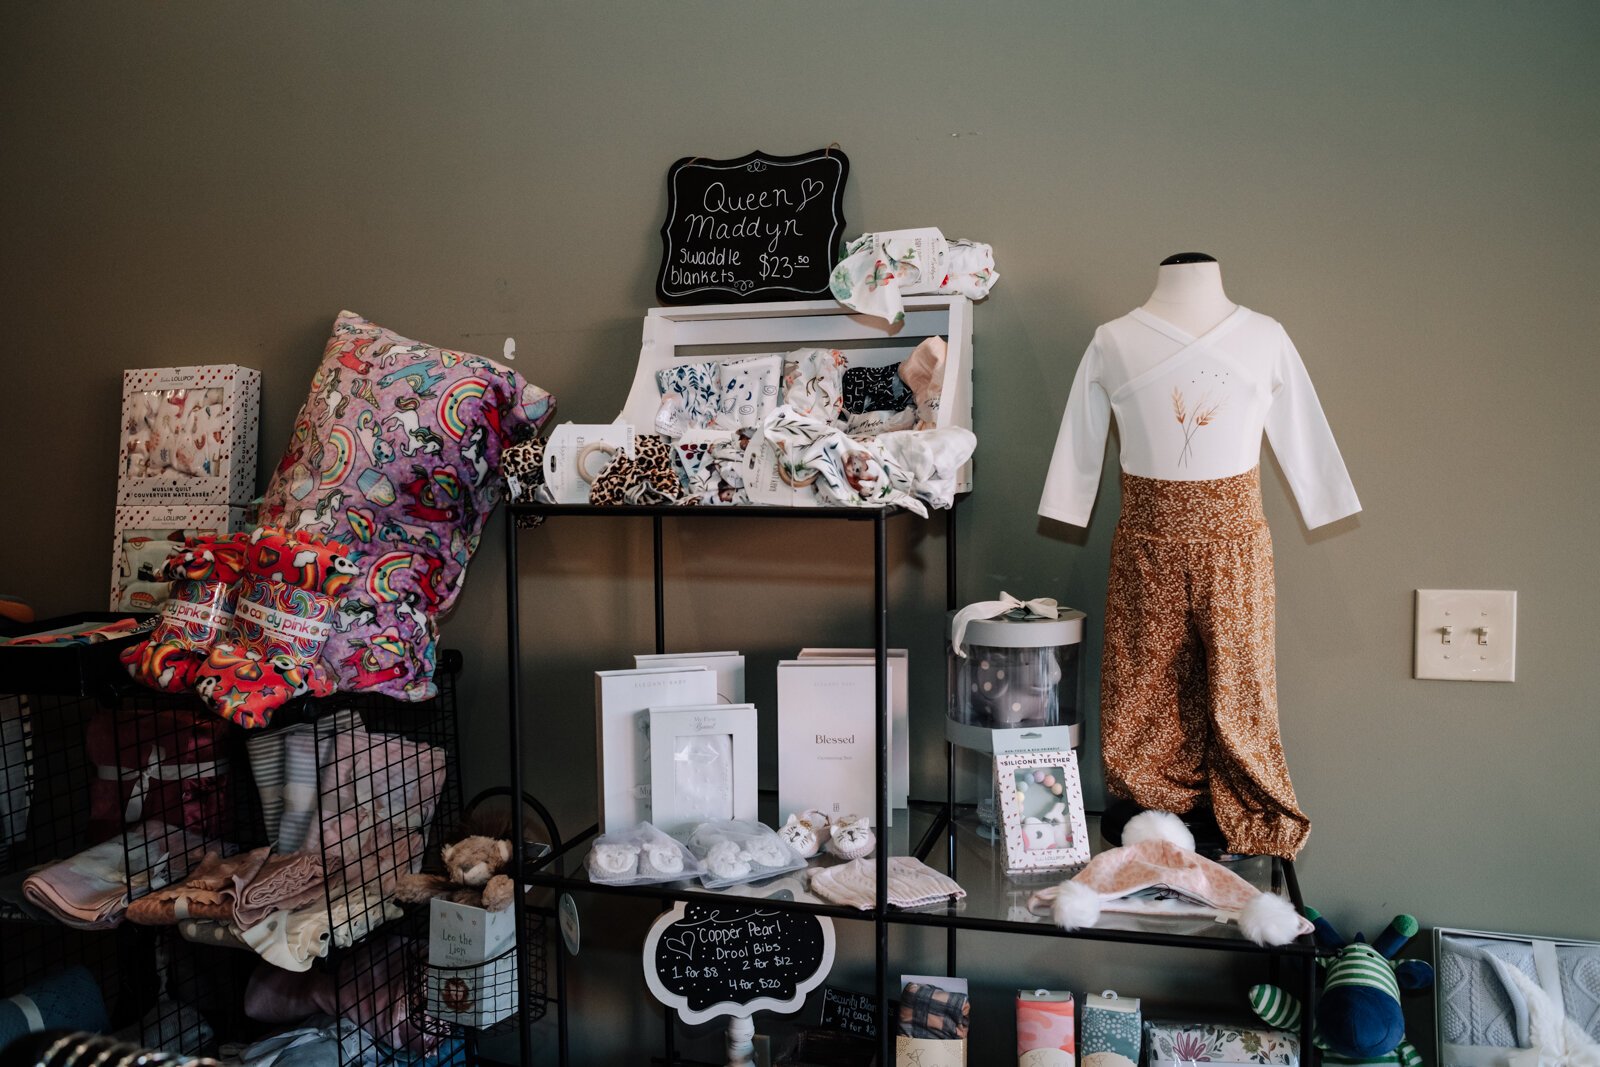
(810, 189)
(683, 946)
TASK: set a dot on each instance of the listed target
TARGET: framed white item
(702, 765)
(622, 733)
(678, 336)
(1041, 807)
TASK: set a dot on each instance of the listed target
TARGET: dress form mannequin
(1189, 294)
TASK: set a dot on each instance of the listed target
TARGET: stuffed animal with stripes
(1358, 1016)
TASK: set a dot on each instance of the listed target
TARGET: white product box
(472, 974)
(827, 741)
(728, 666)
(702, 765)
(188, 435)
(622, 733)
(145, 536)
(899, 711)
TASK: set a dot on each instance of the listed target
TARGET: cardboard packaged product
(622, 733)
(145, 536)
(472, 972)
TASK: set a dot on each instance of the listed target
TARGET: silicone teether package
(737, 850)
(639, 856)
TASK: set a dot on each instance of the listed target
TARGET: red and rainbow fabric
(283, 616)
(204, 578)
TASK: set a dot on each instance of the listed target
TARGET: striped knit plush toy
(1358, 1019)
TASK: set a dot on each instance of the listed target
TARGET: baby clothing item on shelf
(166, 764)
(1111, 1035)
(90, 891)
(370, 984)
(813, 383)
(930, 1013)
(878, 269)
(806, 832)
(283, 618)
(876, 389)
(284, 882)
(204, 579)
(1158, 854)
(1046, 1028)
(735, 851)
(693, 391)
(850, 837)
(923, 374)
(642, 855)
(750, 389)
(648, 476)
(208, 892)
(912, 884)
(284, 764)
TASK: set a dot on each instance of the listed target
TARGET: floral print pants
(1188, 687)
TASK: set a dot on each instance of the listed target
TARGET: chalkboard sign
(758, 227)
(850, 1013)
(710, 960)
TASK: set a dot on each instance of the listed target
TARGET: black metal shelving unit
(987, 907)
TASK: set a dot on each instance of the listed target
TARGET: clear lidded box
(1018, 672)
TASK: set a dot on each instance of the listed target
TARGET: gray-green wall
(1410, 188)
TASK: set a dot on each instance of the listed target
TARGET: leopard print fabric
(647, 477)
(1188, 683)
(522, 464)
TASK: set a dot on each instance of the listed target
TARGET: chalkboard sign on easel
(710, 960)
(755, 228)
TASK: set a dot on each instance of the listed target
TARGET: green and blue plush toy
(1358, 1016)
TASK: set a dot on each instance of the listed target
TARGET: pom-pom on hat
(1158, 853)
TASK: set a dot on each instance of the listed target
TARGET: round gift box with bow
(1012, 664)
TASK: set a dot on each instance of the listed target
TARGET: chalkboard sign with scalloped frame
(760, 227)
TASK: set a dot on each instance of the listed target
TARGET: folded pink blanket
(370, 986)
(283, 883)
(208, 893)
(90, 890)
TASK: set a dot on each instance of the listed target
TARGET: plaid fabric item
(930, 1012)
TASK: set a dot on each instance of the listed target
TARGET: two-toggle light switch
(1467, 635)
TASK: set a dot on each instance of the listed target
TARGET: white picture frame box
(899, 711)
(827, 738)
(728, 739)
(1029, 786)
(144, 525)
(188, 435)
(672, 336)
(472, 978)
(727, 666)
(622, 733)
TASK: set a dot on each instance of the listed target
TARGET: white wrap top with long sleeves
(1194, 408)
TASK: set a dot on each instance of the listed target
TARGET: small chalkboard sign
(710, 960)
(850, 1013)
(758, 227)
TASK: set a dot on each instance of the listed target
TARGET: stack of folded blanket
(91, 890)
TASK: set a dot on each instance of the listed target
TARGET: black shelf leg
(514, 739)
(880, 626)
(661, 588)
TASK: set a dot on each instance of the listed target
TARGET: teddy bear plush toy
(474, 874)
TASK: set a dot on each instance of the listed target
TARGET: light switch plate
(1466, 635)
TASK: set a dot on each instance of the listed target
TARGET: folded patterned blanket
(208, 893)
(90, 891)
(284, 883)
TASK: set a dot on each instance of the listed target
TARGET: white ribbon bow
(154, 770)
(1042, 608)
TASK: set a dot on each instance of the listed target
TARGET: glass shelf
(996, 901)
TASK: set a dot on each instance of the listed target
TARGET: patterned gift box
(188, 435)
(134, 584)
(1178, 1043)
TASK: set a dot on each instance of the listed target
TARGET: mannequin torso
(1190, 296)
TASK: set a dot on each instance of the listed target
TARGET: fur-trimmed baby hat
(1157, 853)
